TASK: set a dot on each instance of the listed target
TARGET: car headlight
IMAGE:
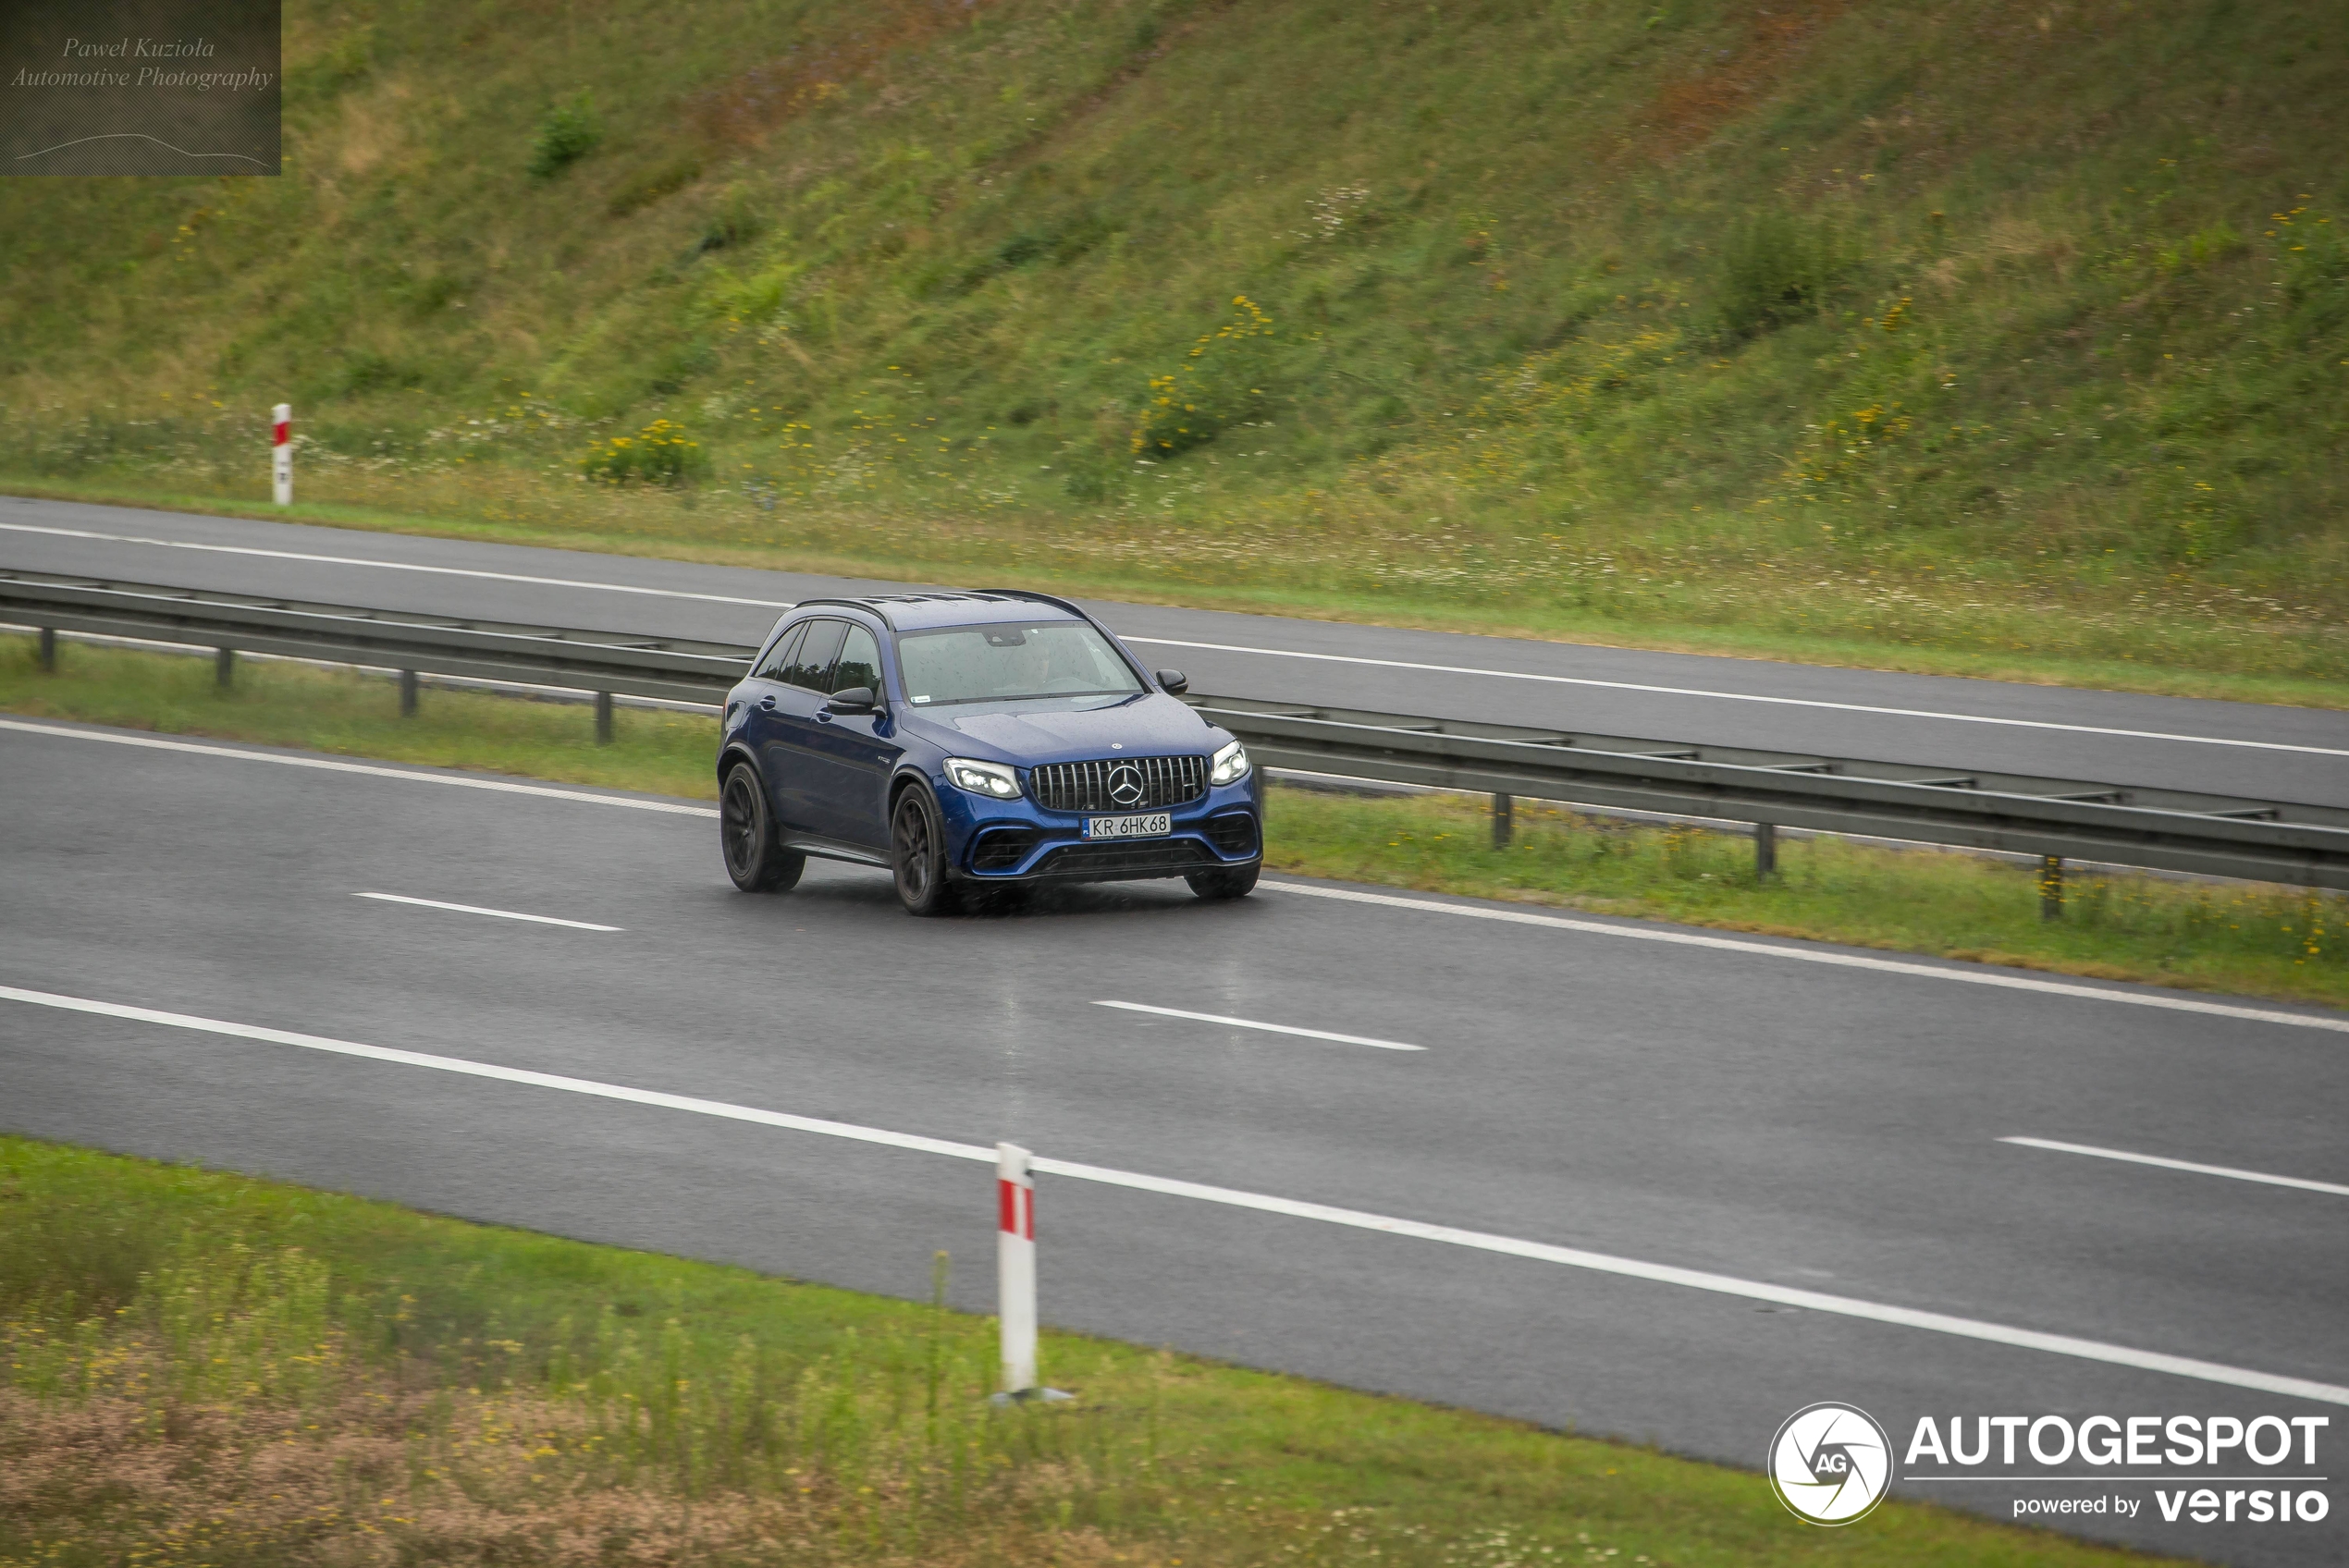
(983, 778)
(1230, 764)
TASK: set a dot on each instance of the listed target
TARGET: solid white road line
(1207, 647)
(1747, 697)
(2302, 1182)
(1542, 1252)
(1267, 1028)
(501, 786)
(395, 566)
(500, 913)
(1809, 955)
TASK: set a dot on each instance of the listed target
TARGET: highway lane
(1724, 1109)
(2280, 753)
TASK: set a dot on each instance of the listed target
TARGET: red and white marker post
(281, 453)
(1015, 1266)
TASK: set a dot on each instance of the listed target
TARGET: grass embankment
(206, 1369)
(2253, 940)
(1940, 335)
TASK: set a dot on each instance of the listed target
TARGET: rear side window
(811, 664)
(772, 667)
(859, 662)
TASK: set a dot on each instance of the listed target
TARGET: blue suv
(968, 740)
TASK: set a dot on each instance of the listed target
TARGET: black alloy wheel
(746, 836)
(918, 845)
(1236, 883)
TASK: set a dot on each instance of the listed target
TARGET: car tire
(755, 858)
(918, 854)
(1236, 883)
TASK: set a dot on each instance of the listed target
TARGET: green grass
(205, 1369)
(355, 714)
(1936, 334)
(2246, 939)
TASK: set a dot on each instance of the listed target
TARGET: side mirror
(856, 699)
(1174, 680)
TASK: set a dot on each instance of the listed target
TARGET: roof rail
(871, 605)
(1039, 598)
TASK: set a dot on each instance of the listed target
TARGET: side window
(811, 666)
(859, 662)
(772, 667)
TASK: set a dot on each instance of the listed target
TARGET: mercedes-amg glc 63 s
(968, 740)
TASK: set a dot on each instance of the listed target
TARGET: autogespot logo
(1831, 1463)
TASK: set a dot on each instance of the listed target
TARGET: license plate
(1155, 825)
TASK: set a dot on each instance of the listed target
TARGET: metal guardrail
(2166, 829)
(486, 650)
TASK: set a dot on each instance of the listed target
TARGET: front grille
(1156, 783)
(999, 849)
(1234, 832)
(1151, 857)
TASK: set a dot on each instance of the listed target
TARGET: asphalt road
(1730, 1106)
(2226, 748)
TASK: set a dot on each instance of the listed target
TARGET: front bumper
(992, 841)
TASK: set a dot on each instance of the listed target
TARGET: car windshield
(1011, 663)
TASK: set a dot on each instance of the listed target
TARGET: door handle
(766, 702)
(823, 716)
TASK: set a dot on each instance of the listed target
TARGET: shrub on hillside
(1220, 382)
(568, 134)
(661, 453)
(1774, 270)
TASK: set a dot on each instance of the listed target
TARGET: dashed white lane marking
(327, 765)
(1473, 911)
(1541, 1252)
(500, 913)
(395, 566)
(1748, 697)
(1267, 1028)
(1813, 955)
(2300, 1182)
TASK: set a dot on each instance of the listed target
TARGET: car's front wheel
(1236, 883)
(917, 846)
(755, 859)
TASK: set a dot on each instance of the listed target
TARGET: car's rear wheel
(917, 846)
(755, 858)
(1236, 883)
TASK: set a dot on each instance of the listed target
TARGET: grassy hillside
(1971, 331)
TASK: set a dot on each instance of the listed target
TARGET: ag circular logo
(1126, 784)
(1831, 1463)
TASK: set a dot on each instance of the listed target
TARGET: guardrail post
(49, 650)
(407, 693)
(224, 668)
(1766, 851)
(1504, 820)
(2051, 887)
(603, 718)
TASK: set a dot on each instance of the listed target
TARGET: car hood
(1151, 725)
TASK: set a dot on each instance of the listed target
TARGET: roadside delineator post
(281, 453)
(1015, 1274)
